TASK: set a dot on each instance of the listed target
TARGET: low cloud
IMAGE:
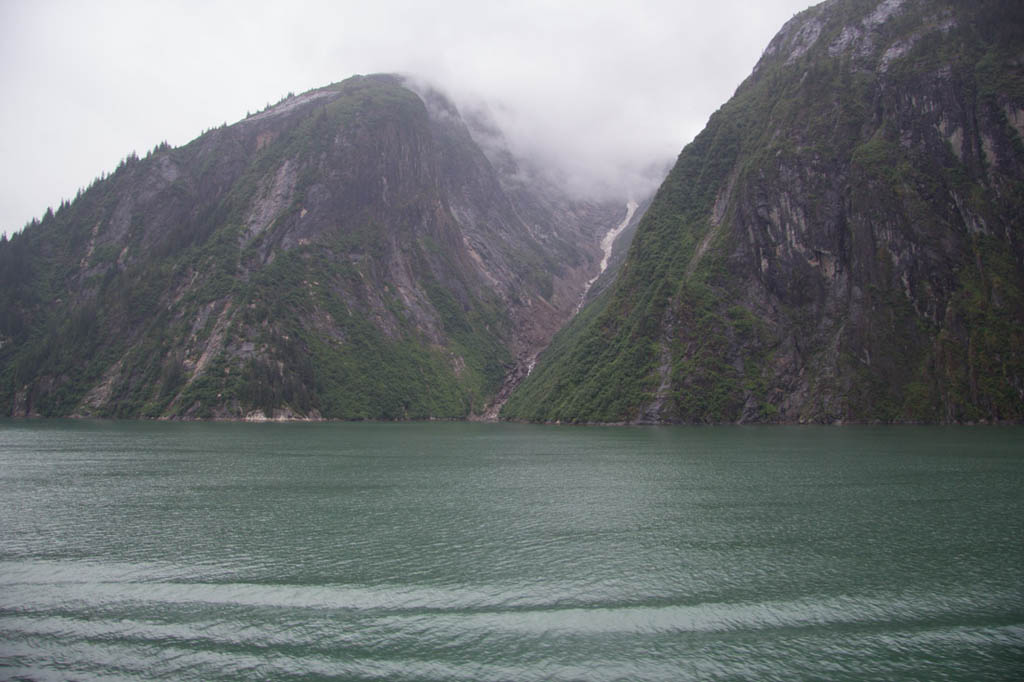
(601, 94)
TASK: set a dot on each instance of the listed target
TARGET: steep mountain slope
(843, 242)
(348, 253)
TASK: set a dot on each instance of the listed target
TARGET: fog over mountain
(601, 94)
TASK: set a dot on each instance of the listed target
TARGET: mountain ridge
(840, 244)
(348, 253)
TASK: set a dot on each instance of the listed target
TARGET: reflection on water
(468, 551)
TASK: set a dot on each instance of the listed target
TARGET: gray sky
(598, 89)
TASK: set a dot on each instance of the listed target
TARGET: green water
(141, 551)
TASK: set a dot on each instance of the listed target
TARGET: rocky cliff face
(348, 253)
(843, 242)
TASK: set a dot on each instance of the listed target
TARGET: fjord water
(450, 551)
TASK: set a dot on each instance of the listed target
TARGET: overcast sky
(601, 89)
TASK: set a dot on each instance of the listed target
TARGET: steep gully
(606, 245)
(526, 364)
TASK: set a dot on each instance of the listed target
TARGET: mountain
(844, 241)
(352, 252)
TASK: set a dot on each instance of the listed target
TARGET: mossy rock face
(843, 242)
(348, 253)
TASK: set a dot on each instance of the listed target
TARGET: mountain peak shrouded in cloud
(346, 253)
(584, 168)
(602, 95)
(841, 243)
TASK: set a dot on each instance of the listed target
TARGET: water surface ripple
(139, 551)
